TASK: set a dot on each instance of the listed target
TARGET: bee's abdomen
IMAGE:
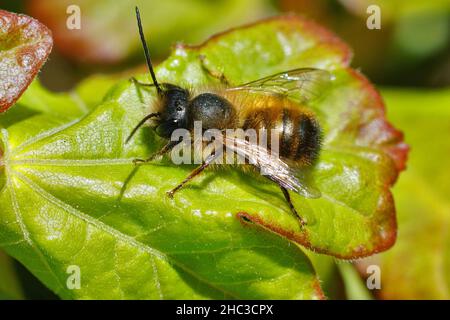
(299, 132)
(305, 140)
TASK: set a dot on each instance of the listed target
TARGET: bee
(275, 103)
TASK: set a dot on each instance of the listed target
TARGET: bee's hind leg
(291, 206)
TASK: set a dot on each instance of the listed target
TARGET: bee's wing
(302, 84)
(270, 165)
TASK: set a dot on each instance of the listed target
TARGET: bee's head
(174, 99)
(174, 110)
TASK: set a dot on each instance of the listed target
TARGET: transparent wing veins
(302, 84)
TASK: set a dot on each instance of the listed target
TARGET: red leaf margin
(19, 68)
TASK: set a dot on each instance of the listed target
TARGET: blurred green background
(412, 48)
(408, 59)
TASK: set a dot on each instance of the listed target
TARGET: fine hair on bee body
(275, 104)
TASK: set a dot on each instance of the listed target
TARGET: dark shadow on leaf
(126, 182)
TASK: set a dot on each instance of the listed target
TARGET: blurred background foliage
(408, 59)
(412, 48)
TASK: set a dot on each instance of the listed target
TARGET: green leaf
(355, 288)
(73, 197)
(417, 266)
(24, 47)
(124, 247)
(9, 284)
(72, 104)
(67, 105)
(328, 274)
(38, 99)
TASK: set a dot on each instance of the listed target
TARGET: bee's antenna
(151, 115)
(147, 54)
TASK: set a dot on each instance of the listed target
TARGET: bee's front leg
(169, 146)
(143, 84)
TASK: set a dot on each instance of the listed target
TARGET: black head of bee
(174, 99)
(178, 111)
(175, 109)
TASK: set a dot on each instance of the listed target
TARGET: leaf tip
(26, 44)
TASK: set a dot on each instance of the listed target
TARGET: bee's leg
(214, 74)
(169, 146)
(143, 84)
(291, 206)
(194, 173)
